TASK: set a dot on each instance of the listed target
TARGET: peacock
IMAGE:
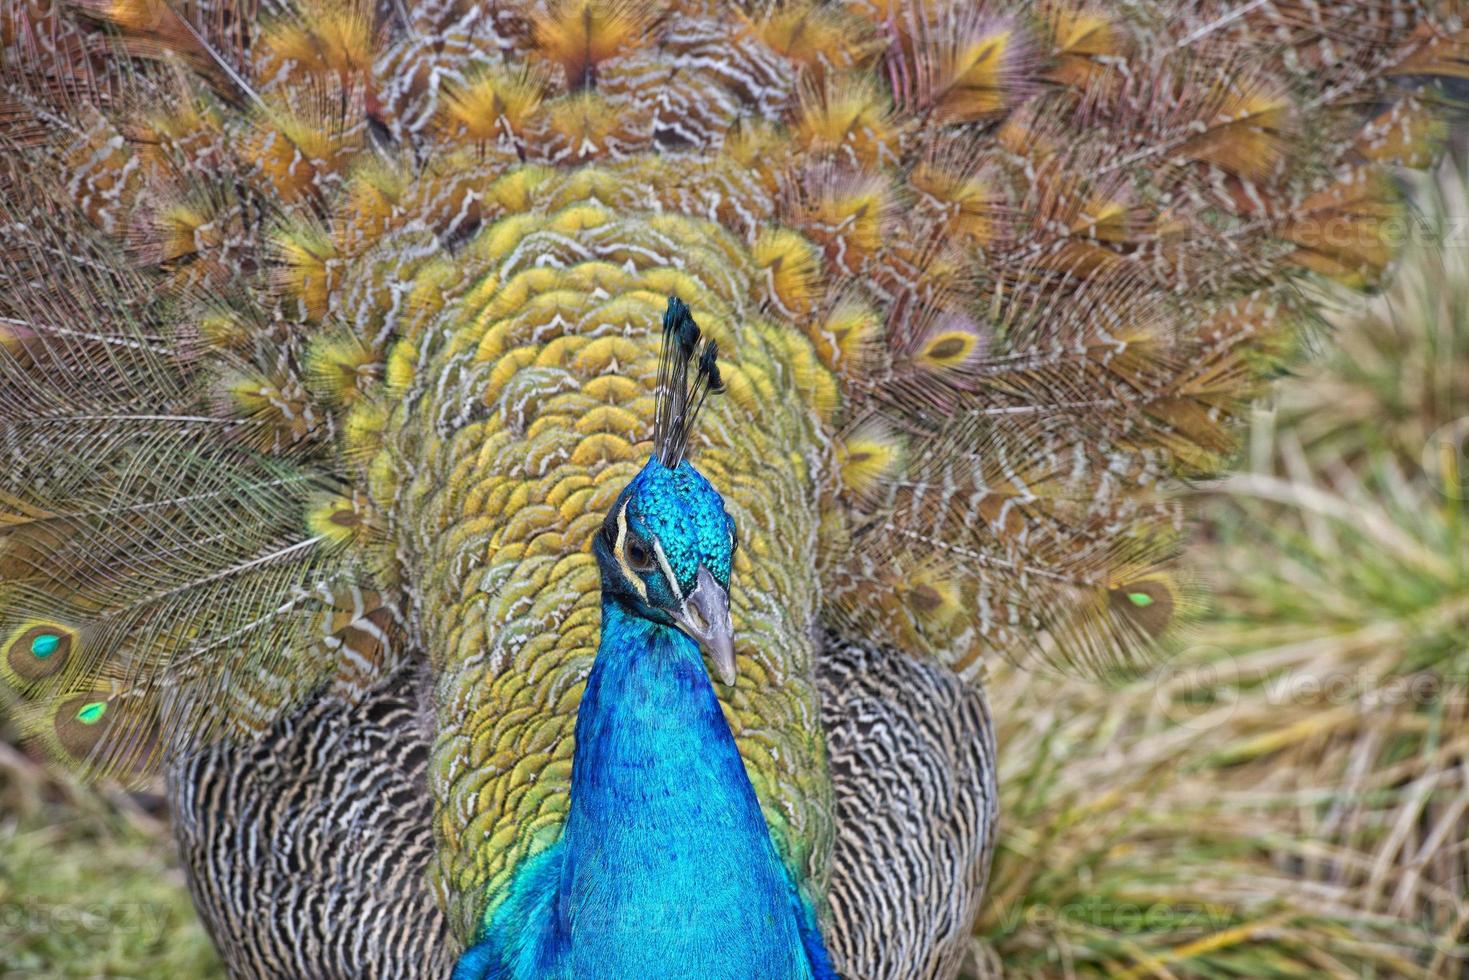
(665, 858)
(350, 358)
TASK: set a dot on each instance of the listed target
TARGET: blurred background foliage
(1288, 797)
(89, 882)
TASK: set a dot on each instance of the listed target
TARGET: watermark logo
(1446, 459)
(145, 919)
(1198, 691)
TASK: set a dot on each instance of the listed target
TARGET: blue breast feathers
(665, 867)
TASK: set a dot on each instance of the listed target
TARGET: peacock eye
(638, 555)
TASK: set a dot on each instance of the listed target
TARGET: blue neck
(665, 867)
(668, 856)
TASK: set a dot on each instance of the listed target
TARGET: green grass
(90, 885)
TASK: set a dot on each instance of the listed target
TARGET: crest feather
(679, 400)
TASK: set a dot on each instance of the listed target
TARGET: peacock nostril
(696, 618)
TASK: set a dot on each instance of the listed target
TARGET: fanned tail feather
(161, 581)
(1016, 267)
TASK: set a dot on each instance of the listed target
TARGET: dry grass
(1287, 798)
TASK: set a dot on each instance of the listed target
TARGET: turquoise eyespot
(92, 712)
(38, 653)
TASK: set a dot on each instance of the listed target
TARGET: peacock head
(666, 546)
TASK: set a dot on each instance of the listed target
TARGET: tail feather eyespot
(39, 651)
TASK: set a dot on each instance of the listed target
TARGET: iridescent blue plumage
(665, 866)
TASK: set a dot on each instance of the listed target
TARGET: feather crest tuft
(679, 399)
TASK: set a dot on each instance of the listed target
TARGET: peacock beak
(705, 617)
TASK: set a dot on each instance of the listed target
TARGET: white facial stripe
(667, 571)
(620, 550)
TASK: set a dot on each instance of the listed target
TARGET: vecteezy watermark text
(145, 919)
